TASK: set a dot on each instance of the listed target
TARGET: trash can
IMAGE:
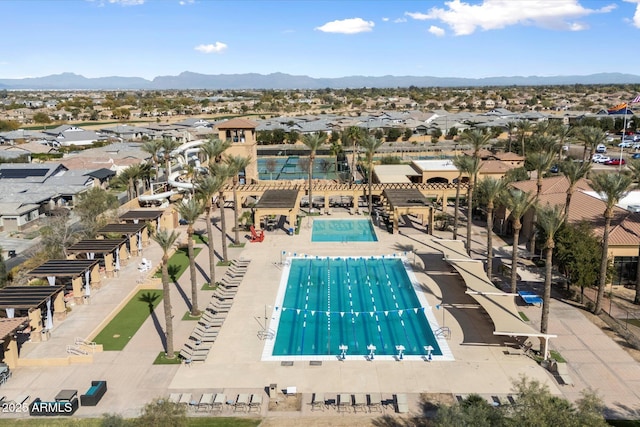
(291, 231)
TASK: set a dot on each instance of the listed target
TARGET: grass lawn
(556, 356)
(523, 316)
(223, 422)
(200, 239)
(188, 316)
(118, 332)
(237, 245)
(223, 263)
(162, 359)
(208, 287)
(178, 263)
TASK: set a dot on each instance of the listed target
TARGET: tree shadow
(150, 298)
(204, 273)
(182, 294)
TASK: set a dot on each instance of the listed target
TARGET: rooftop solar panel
(22, 173)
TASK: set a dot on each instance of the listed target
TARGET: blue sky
(457, 38)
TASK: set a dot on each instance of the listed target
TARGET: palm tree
(477, 139)
(634, 167)
(168, 145)
(459, 163)
(336, 149)
(213, 148)
(221, 170)
(523, 127)
(312, 141)
(190, 212)
(591, 137)
(370, 146)
(574, 172)
(153, 147)
(209, 186)
(166, 240)
(355, 134)
(511, 127)
(470, 166)
(491, 190)
(549, 219)
(517, 202)
(611, 188)
(236, 164)
(541, 162)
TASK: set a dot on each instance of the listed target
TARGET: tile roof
(237, 123)
(9, 326)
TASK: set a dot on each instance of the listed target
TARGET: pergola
(8, 329)
(83, 272)
(143, 215)
(408, 201)
(278, 202)
(133, 232)
(109, 248)
(32, 299)
(499, 305)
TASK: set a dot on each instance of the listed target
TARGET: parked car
(555, 169)
(599, 158)
(615, 162)
(601, 148)
(625, 144)
(635, 156)
(636, 146)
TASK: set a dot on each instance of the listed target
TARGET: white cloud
(400, 20)
(127, 2)
(186, 2)
(347, 26)
(385, 19)
(436, 31)
(636, 15)
(216, 47)
(465, 18)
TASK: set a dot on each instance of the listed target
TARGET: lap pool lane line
(306, 306)
(395, 301)
(373, 303)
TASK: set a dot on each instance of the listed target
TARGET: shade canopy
(141, 215)
(278, 199)
(27, 297)
(405, 198)
(63, 267)
(499, 305)
(97, 245)
(126, 229)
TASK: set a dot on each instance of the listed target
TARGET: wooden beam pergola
(133, 232)
(278, 202)
(408, 201)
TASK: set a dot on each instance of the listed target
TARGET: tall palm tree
(153, 148)
(541, 162)
(611, 188)
(470, 166)
(517, 202)
(634, 167)
(221, 170)
(190, 212)
(208, 187)
(511, 127)
(213, 148)
(312, 141)
(491, 190)
(459, 163)
(370, 146)
(574, 172)
(168, 145)
(235, 165)
(591, 137)
(549, 219)
(477, 139)
(523, 128)
(166, 240)
(355, 135)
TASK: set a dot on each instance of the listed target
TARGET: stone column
(78, 294)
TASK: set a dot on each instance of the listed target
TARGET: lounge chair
(256, 236)
(318, 402)
(174, 397)
(206, 402)
(219, 305)
(209, 320)
(255, 402)
(241, 262)
(222, 296)
(562, 371)
(375, 402)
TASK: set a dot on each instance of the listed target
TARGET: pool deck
(482, 363)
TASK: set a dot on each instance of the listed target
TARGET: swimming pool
(295, 167)
(327, 302)
(343, 230)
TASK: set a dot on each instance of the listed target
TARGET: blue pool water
(329, 302)
(343, 230)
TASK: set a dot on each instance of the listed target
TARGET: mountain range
(189, 80)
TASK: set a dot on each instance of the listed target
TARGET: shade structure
(499, 305)
(96, 246)
(27, 297)
(278, 199)
(63, 268)
(127, 229)
(141, 215)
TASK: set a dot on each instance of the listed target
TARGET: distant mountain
(189, 80)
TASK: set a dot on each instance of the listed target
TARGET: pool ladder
(443, 332)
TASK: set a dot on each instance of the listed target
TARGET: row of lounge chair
(197, 347)
(359, 402)
(217, 402)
